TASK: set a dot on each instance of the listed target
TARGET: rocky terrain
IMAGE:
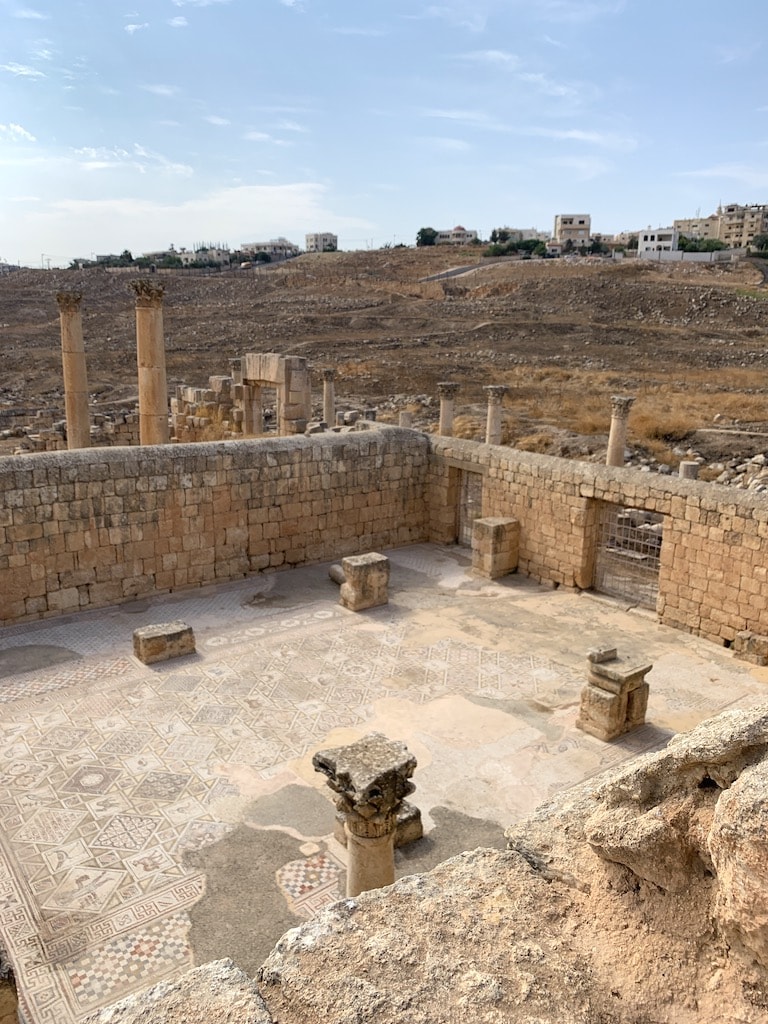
(688, 340)
(636, 898)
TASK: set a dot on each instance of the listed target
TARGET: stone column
(617, 439)
(405, 419)
(329, 396)
(371, 778)
(496, 393)
(447, 392)
(253, 414)
(73, 365)
(150, 353)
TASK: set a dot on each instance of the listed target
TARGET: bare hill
(689, 340)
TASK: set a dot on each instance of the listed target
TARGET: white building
(204, 254)
(276, 248)
(321, 241)
(657, 240)
(456, 236)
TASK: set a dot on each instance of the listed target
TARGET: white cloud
(29, 14)
(41, 52)
(447, 145)
(161, 90)
(16, 133)
(474, 118)
(607, 140)
(138, 159)
(130, 29)
(573, 10)
(498, 57)
(584, 168)
(292, 126)
(754, 177)
(198, 3)
(21, 70)
(213, 119)
(265, 137)
(71, 225)
(735, 54)
(459, 14)
(180, 22)
(373, 32)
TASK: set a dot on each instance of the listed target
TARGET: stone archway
(289, 376)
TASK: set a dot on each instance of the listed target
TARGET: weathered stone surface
(495, 546)
(217, 993)
(751, 646)
(366, 581)
(738, 845)
(551, 932)
(615, 699)
(163, 641)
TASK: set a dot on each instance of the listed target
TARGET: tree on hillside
(426, 236)
(760, 242)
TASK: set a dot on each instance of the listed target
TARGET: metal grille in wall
(470, 505)
(628, 553)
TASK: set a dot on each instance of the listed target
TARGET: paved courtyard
(154, 818)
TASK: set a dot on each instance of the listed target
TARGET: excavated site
(433, 692)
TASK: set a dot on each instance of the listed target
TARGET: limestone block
(163, 641)
(615, 699)
(366, 581)
(217, 991)
(495, 546)
(749, 646)
(738, 845)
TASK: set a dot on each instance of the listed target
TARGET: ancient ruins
(127, 813)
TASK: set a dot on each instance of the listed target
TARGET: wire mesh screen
(628, 553)
(470, 505)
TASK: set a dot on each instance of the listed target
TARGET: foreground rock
(640, 896)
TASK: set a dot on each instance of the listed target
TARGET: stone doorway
(470, 505)
(628, 554)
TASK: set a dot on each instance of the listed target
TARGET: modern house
(456, 236)
(321, 241)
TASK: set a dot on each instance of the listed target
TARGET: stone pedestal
(617, 438)
(447, 392)
(74, 371)
(366, 581)
(615, 699)
(751, 647)
(150, 355)
(688, 469)
(495, 547)
(329, 395)
(163, 641)
(405, 419)
(496, 394)
(371, 778)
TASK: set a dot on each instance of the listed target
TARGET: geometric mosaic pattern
(110, 771)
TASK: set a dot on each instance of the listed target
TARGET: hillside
(689, 340)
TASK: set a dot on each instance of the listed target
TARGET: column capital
(69, 302)
(148, 293)
(447, 389)
(328, 373)
(371, 778)
(495, 393)
(620, 405)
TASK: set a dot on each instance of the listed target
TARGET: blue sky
(137, 123)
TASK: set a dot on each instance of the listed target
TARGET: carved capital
(371, 778)
(495, 393)
(620, 405)
(329, 373)
(148, 293)
(447, 389)
(69, 302)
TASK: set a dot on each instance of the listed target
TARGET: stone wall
(714, 557)
(90, 528)
(97, 527)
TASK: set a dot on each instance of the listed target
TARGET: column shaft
(329, 397)
(370, 863)
(150, 358)
(617, 438)
(74, 370)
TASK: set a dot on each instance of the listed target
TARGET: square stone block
(751, 647)
(366, 581)
(163, 641)
(495, 546)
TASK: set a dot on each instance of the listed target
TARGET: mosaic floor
(111, 771)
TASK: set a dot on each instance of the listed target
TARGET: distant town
(732, 229)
